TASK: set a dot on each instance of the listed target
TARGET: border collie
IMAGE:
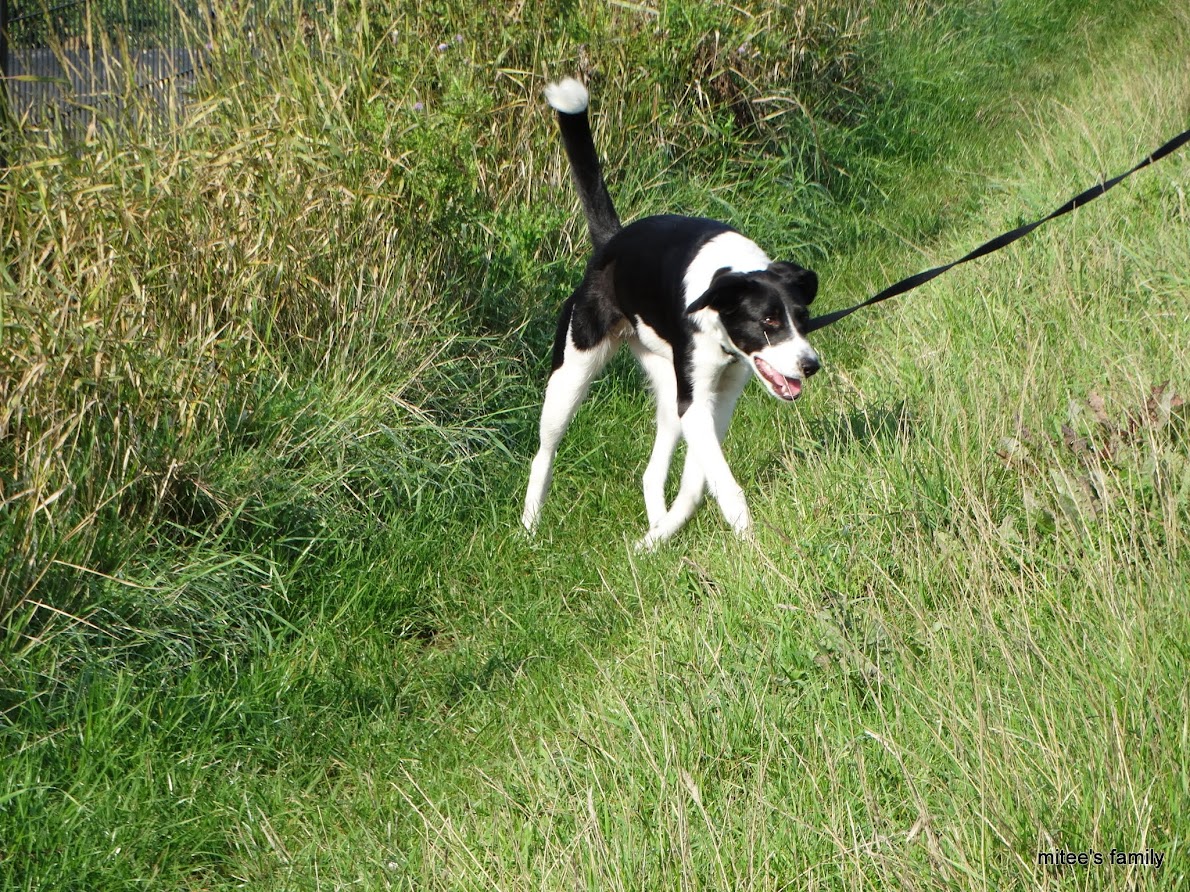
(701, 307)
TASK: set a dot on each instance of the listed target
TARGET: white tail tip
(567, 96)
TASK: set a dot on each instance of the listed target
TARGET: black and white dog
(701, 307)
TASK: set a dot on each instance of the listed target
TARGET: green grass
(268, 387)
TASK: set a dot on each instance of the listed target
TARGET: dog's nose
(810, 365)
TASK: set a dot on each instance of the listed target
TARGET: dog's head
(763, 317)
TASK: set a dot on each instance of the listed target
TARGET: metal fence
(62, 58)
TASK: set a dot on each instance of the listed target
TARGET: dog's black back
(626, 280)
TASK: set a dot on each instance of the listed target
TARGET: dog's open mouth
(785, 388)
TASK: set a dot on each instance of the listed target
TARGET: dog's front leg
(705, 467)
(689, 496)
(660, 372)
(698, 427)
(722, 396)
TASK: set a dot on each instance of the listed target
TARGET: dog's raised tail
(569, 99)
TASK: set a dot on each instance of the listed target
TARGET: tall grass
(268, 382)
(332, 190)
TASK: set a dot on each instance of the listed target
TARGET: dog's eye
(771, 322)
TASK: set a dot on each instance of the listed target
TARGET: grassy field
(268, 390)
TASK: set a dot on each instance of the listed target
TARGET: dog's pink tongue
(786, 388)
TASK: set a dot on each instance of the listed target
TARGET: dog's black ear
(805, 281)
(723, 292)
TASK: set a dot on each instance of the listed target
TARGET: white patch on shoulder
(731, 250)
(709, 357)
(567, 96)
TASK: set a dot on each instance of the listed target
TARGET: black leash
(1000, 241)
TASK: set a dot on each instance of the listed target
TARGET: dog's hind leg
(564, 393)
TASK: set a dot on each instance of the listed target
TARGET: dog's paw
(529, 523)
(738, 516)
(649, 543)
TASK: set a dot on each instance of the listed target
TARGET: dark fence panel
(63, 57)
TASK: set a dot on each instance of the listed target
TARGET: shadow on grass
(864, 426)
